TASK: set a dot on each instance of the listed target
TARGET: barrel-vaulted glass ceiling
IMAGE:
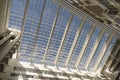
(55, 36)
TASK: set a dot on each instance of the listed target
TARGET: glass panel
(24, 58)
(31, 26)
(89, 48)
(107, 53)
(45, 29)
(75, 24)
(16, 14)
(35, 8)
(26, 44)
(80, 42)
(57, 35)
(98, 51)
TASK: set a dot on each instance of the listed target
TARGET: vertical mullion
(85, 45)
(63, 38)
(116, 64)
(103, 51)
(23, 25)
(51, 33)
(75, 42)
(97, 42)
(110, 61)
(112, 57)
(38, 30)
(7, 13)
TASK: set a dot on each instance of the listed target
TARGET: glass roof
(53, 35)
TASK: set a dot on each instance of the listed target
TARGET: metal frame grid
(53, 35)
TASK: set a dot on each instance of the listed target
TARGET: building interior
(59, 39)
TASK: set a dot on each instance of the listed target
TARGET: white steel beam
(75, 41)
(5, 49)
(51, 33)
(8, 7)
(2, 41)
(3, 6)
(63, 38)
(105, 47)
(37, 30)
(97, 43)
(85, 45)
(23, 24)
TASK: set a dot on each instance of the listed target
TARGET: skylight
(55, 36)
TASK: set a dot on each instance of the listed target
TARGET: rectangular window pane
(89, 48)
(75, 24)
(57, 34)
(16, 14)
(45, 29)
(98, 51)
(80, 42)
